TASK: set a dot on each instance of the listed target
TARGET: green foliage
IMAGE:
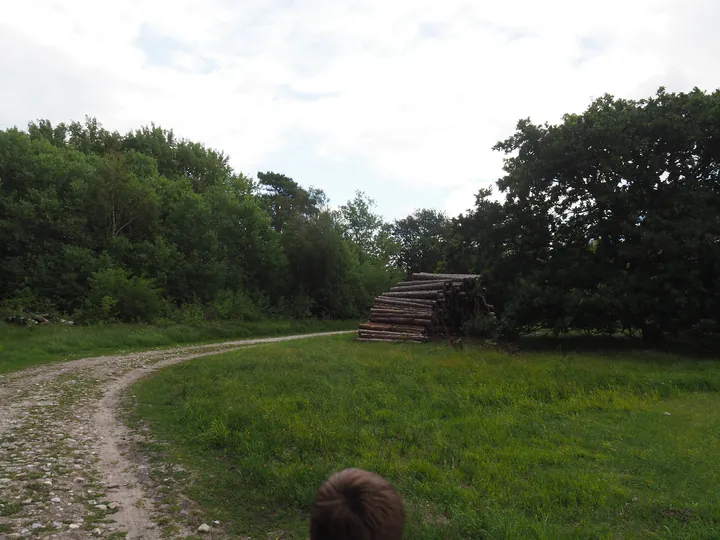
(237, 305)
(114, 295)
(611, 220)
(324, 267)
(420, 241)
(360, 225)
(482, 327)
(480, 444)
(287, 201)
(134, 227)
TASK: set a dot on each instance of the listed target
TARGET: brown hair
(354, 504)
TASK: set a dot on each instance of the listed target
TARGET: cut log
(391, 335)
(402, 314)
(405, 302)
(403, 309)
(432, 286)
(428, 282)
(422, 276)
(405, 305)
(368, 340)
(378, 327)
(408, 309)
(398, 307)
(426, 306)
(429, 295)
(417, 282)
(424, 312)
(402, 320)
(439, 285)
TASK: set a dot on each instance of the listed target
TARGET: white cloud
(417, 90)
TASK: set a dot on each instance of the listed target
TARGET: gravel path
(67, 465)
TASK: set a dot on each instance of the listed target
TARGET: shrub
(115, 295)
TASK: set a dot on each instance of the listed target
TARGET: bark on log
(393, 328)
(411, 285)
(418, 282)
(434, 286)
(427, 305)
(393, 305)
(405, 302)
(402, 320)
(391, 335)
(439, 284)
(402, 314)
(367, 340)
(429, 295)
(402, 307)
(418, 311)
(422, 276)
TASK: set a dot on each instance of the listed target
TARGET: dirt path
(66, 465)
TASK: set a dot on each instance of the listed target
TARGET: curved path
(67, 469)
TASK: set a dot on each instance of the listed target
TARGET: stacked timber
(428, 306)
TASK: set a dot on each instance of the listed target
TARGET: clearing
(481, 443)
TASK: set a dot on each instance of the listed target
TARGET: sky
(401, 99)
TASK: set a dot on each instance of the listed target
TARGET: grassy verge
(24, 347)
(481, 444)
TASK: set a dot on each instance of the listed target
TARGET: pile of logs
(429, 306)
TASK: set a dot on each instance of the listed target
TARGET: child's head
(357, 505)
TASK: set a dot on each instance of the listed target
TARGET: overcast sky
(402, 99)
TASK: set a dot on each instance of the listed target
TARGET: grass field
(481, 444)
(24, 347)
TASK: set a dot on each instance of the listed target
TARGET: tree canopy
(134, 227)
(608, 221)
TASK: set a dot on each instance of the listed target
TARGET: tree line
(608, 221)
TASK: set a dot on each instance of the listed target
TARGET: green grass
(481, 444)
(24, 347)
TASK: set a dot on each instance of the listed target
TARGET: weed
(8, 508)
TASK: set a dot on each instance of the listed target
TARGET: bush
(18, 306)
(233, 305)
(482, 327)
(115, 295)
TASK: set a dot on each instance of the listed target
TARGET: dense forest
(607, 222)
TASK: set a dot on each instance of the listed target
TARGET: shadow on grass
(700, 347)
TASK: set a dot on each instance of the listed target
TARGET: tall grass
(24, 347)
(481, 444)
